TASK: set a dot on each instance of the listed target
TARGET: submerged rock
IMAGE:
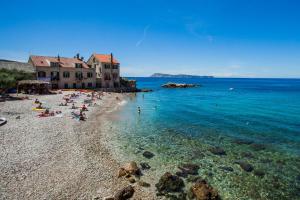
(145, 166)
(202, 191)
(245, 165)
(169, 183)
(259, 173)
(124, 193)
(148, 154)
(217, 151)
(189, 168)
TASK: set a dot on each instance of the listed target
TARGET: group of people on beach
(69, 98)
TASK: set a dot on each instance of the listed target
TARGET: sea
(252, 121)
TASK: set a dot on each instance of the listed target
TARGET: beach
(59, 157)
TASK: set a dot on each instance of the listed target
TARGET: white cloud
(143, 37)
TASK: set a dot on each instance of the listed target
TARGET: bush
(9, 78)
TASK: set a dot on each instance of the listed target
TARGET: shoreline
(59, 157)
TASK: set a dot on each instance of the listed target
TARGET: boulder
(128, 169)
(217, 151)
(169, 183)
(202, 191)
(148, 154)
(131, 180)
(245, 165)
(124, 193)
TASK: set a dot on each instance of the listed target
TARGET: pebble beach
(59, 157)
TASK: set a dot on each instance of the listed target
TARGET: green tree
(10, 78)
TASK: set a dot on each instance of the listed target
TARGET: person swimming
(139, 110)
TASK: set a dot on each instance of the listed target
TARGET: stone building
(64, 73)
(107, 70)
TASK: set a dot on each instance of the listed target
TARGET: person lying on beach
(39, 106)
(82, 116)
(36, 101)
(84, 108)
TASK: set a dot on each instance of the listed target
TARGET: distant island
(160, 75)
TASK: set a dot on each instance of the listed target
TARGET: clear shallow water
(180, 125)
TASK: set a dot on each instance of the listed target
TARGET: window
(115, 75)
(107, 66)
(115, 66)
(54, 64)
(74, 85)
(66, 85)
(89, 74)
(78, 75)
(54, 76)
(66, 74)
(90, 85)
(78, 65)
(82, 85)
(106, 76)
(41, 74)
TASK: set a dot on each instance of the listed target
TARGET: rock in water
(190, 168)
(178, 85)
(169, 183)
(245, 166)
(202, 191)
(217, 151)
(130, 168)
(124, 193)
(145, 166)
(148, 154)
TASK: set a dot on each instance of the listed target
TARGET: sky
(232, 38)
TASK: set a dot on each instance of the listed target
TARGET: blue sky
(232, 38)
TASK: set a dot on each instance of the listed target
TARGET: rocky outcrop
(202, 191)
(124, 193)
(169, 183)
(179, 85)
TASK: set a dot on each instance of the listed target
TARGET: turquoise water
(181, 125)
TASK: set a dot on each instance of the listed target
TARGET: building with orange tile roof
(64, 72)
(107, 70)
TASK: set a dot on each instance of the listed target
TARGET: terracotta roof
(106, 58)
(44, 61)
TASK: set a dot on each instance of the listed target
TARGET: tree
(9, 78)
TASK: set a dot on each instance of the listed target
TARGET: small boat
(2, 121)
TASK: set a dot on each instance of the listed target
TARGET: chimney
(111, 59)
(58, 58)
